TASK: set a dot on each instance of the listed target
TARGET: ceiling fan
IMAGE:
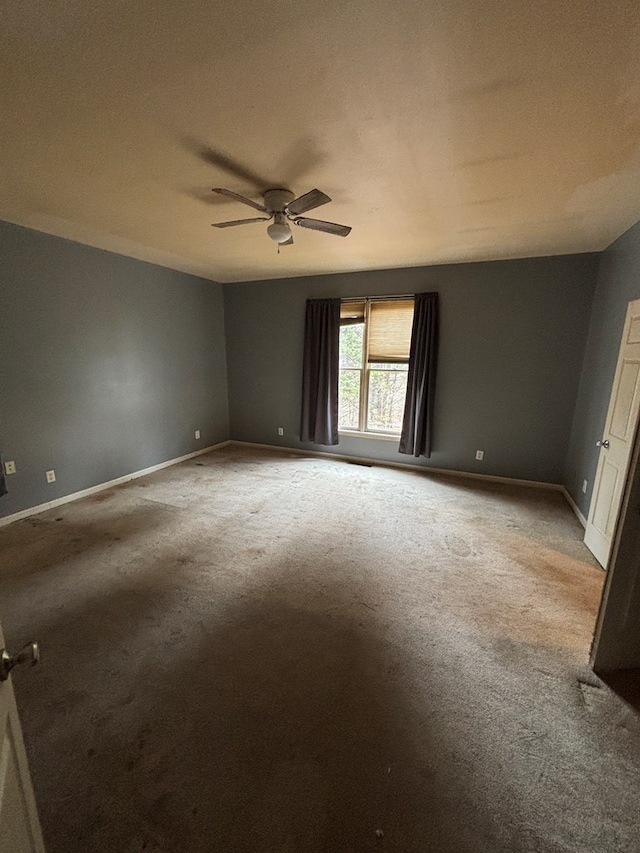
(282, 207)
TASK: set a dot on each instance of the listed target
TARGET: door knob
(29, 654)
(604, 443)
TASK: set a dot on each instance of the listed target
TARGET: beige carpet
(256, 651)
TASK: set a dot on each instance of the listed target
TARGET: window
(375, 337)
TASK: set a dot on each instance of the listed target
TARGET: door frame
(19, 819)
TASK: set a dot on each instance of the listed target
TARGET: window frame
(365, 373)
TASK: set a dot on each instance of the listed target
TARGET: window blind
(390, 325)
(351, 312)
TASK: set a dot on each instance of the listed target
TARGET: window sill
(384, 436)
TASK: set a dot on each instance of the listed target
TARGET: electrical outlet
(479, 455)
(197, 433)
(280, 431)
(584, 487)
(9, 468)
(51, 476)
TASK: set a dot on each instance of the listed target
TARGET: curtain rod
(370, 298)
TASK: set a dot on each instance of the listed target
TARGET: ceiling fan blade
(240, 222)
(308, 201)
(239, 197)
(320, 225)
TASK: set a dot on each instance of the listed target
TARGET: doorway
(616, 444)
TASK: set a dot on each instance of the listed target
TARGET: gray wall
(512, 342)
(618, 283)
(107, 365)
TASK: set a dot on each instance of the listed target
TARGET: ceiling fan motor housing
(276, 200)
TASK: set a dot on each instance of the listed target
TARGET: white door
(19, 825)
(617, 442)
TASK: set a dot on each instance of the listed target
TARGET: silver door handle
(604, 443)
(28, 654)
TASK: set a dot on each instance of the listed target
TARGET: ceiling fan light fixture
(279, 230)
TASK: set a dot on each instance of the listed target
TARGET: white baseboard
(92, 490)
(424, 469)
(74, 496)
(574, 506)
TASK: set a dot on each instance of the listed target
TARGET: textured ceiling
(443, 130)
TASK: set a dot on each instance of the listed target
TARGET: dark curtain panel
(417, 423)
(319, 420)
(3, 485)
